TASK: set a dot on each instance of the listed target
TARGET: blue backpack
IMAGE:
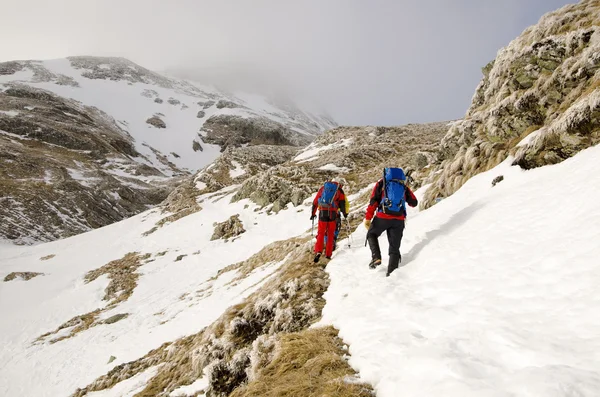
(394, 188)
(326, 201)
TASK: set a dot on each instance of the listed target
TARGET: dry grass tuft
(45, 258)
(307, 363)
(123, 280)
(23, 275)
(123, 277)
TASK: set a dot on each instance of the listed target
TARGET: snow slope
(498, 295)
(173, 298)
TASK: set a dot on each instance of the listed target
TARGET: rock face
(232, 227)
(236, 165)
(358, 154)
(227, 130)
(538, 101)
(63, 168)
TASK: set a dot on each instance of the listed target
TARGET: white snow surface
(334, 168)
(157, 311)
(497, 294)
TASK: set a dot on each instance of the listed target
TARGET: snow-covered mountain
(215, 292)
(87, 141)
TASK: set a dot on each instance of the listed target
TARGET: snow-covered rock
(114, 135)
(547, 82)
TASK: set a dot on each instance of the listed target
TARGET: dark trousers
(394, 229)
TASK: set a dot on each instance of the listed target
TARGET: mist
(365, 63)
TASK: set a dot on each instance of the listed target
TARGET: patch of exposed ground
(47, 257)
(123, 280)
(22, 275)
(180, 203)
(228, 229)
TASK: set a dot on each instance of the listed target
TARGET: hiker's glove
(367, 224)
(313, 217)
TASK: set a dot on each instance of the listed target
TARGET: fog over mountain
(383, 62)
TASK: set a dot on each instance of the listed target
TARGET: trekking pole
(312, 229)
(349, 233)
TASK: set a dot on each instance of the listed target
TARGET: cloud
(376, 62)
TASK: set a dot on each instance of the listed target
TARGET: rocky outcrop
(357, 153)
(232, 227)
(236, 165)
(227, 130)
(222, 104)
(157, 122)
(538, 101)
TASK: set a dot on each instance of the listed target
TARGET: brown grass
(23, 275)
(123, 277)
(123, 280)
(309, 363)
(45, 258)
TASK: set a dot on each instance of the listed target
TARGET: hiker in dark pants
(387, 210)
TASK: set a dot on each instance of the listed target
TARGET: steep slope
(497, 295)
(539, 100)
(153, 290)
(113, 135)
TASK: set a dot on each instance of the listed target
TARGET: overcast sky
(365, 61)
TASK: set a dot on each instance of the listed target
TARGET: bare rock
(157, 122)
(227, 104)
(196, 146)
(230, 228)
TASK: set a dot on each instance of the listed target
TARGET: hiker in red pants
(329, 199)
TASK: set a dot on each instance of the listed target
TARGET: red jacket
(339, 200)
(377, 195)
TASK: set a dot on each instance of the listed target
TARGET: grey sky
(366, 62)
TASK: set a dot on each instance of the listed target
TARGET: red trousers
(329, 229)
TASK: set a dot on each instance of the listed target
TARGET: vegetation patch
(123, 280)
(45, 258)
(246, 344)
(307, 363)
(22, 275)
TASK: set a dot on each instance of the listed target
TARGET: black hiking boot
(317, 257)
(374, 263)
(393, 264)
(327, 257)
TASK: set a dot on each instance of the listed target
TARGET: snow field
(497, 295)
(172, 298)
